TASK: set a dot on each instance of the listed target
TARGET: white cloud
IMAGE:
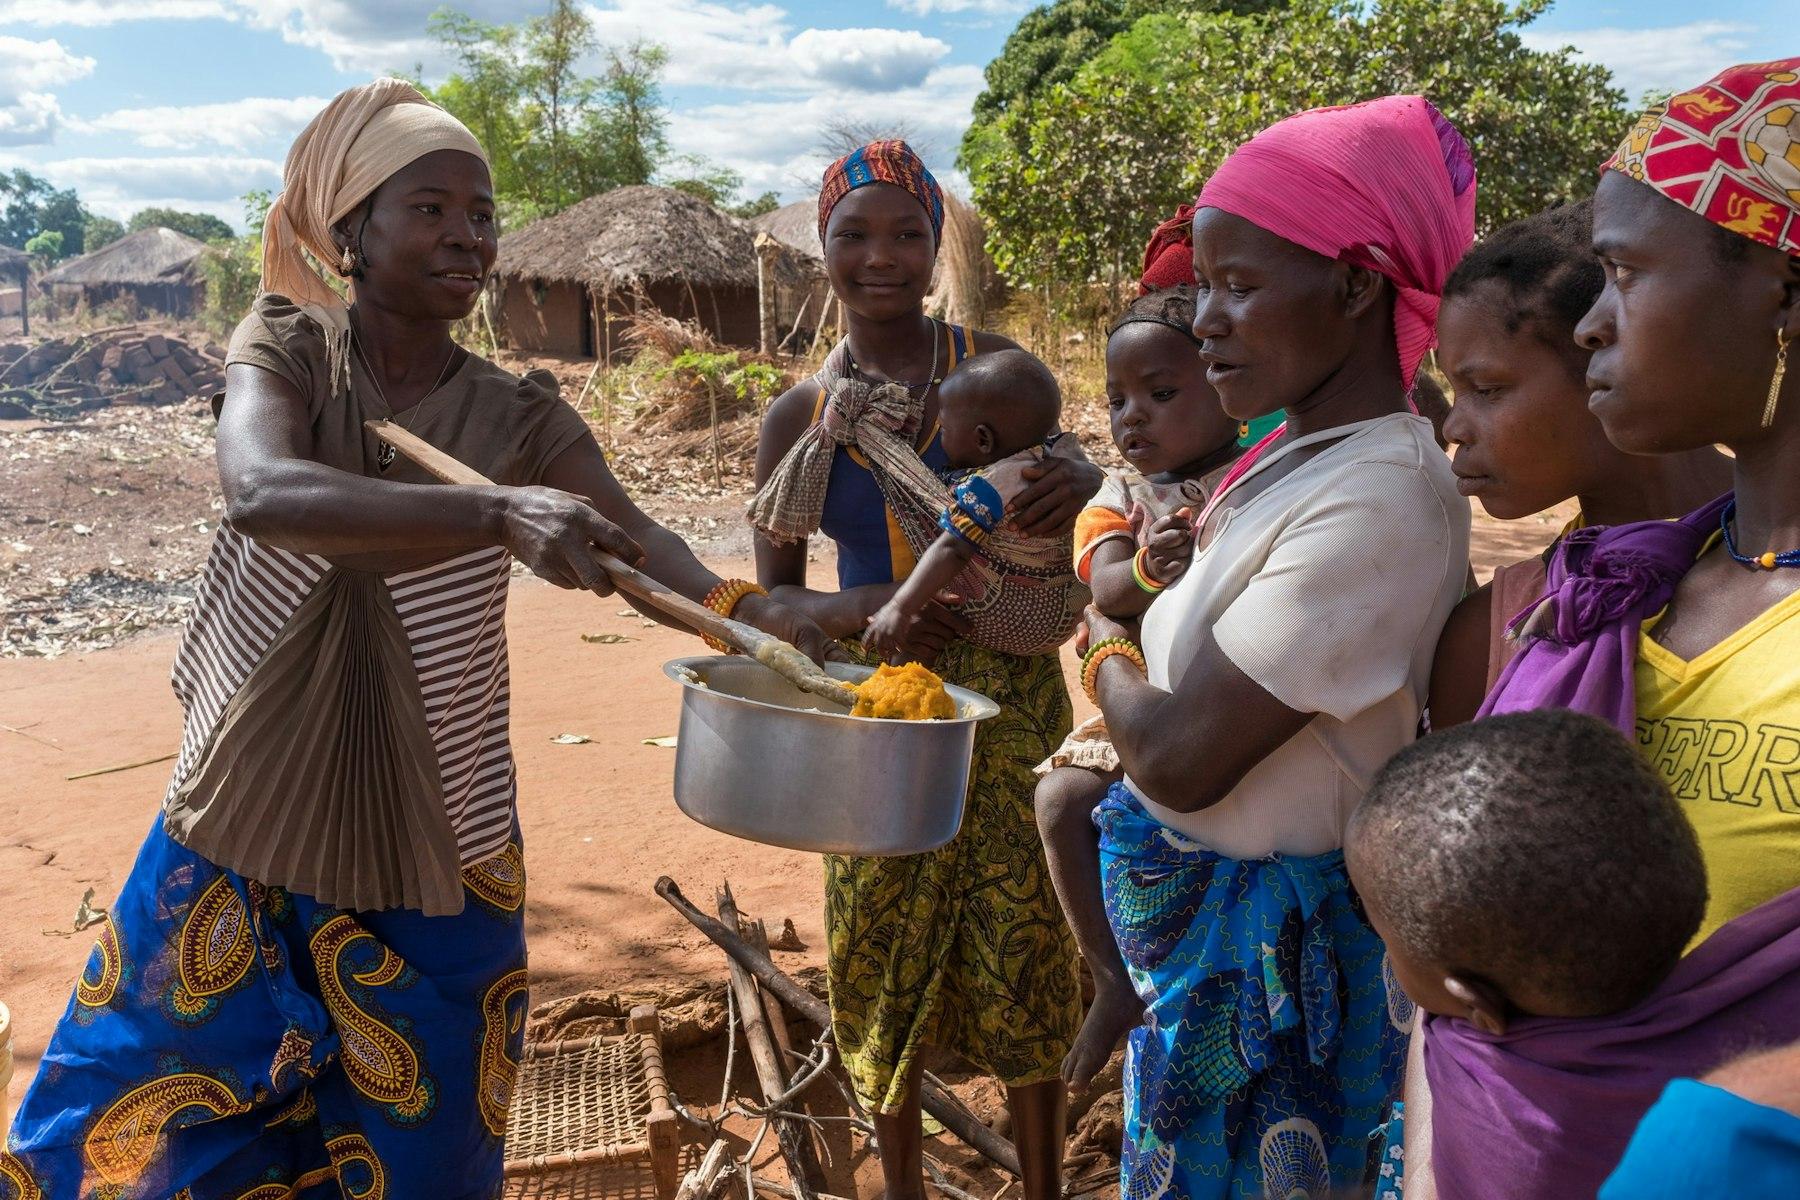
(88, 13)
(1665, 59)
(774, 143)
(119, 187)
(870, 60)
(29, 113)
(241, 125)
(709, 44)
(924, 8)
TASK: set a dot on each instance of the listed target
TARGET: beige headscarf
(362, 137)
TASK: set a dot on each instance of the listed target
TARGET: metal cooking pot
(759, 758)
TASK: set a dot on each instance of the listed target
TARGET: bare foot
(1115, 1012)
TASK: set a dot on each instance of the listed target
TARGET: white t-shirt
(1329, 590)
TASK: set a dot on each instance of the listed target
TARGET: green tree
(32, 206)
(203, 226)
(98, 231)
(1073, 180)
(232, 267)
(630, 128)
(756, 206)
(47, 245)
(554, 135)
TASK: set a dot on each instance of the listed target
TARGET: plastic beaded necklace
(1768, 560)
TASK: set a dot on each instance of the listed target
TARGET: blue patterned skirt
(231, 1041)
(1270, 1049)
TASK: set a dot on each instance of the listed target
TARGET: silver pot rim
(971, 706)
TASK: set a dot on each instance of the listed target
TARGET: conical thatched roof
(796, 225)
(633, 237)
(11, 260)
(148, 256)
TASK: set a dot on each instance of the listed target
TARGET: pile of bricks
(119, 366)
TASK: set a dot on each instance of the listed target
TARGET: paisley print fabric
(963, 948)
(1270, 1051)
(232, 1041)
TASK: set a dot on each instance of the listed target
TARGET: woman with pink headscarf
(1269, 683)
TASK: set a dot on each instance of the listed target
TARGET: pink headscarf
(1388, 184)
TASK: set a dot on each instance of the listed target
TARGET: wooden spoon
(765, 648)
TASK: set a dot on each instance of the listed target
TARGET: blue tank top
(870, 546)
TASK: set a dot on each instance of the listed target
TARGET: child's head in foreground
(1531, 864)
(1166, 418)
(997, 404)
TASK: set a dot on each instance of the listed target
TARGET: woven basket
(591, 1117)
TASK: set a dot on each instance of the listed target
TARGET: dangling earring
(1775, 383)
(346, 262)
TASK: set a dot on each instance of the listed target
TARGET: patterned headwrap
(1728, 150)
(890, 161)
(1387, 184)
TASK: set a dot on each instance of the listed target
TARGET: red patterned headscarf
(889, 161)
(1169, 258)
(1728, 150)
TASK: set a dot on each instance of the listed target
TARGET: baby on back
(1536, 884)
(998, 414)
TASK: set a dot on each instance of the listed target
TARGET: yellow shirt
(1723, 730)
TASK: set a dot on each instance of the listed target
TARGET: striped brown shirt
(454, 613)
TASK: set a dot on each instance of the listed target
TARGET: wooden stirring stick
(765, 648)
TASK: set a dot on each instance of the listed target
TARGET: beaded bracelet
(1140, 573)
(724, 600)
(1098, 653)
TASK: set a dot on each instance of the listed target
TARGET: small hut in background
(965, 289)
(157, 268)
(15, 284)
(800, 299)
(569, 283)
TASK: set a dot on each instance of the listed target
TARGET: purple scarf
(1581, 638)
(1547, 1108)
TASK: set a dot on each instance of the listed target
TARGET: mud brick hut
(569, 283)
(15, 285)
(158, 268)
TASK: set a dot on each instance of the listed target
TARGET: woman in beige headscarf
(314, 976)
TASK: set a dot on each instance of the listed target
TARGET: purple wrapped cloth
(1581, 638)
(1547, 1108)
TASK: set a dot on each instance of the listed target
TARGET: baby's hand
(1170, 547)
(888, 632)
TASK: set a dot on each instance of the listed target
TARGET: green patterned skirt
(964, 948)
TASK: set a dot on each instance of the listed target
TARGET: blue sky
(193, 102)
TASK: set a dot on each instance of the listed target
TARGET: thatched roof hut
(621, 250)
(157, 267)
(795, 225)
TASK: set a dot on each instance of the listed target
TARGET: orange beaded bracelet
(724, 600)
(1098, 653)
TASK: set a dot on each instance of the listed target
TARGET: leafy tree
(100, 231)
(203, 226)
(630, 130)
(33, 206)
(1073, 180)
(46, 245)
(554, 135)
(756, 206)
(232, 267)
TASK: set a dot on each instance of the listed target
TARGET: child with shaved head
(1537, 886)
(998, 414)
